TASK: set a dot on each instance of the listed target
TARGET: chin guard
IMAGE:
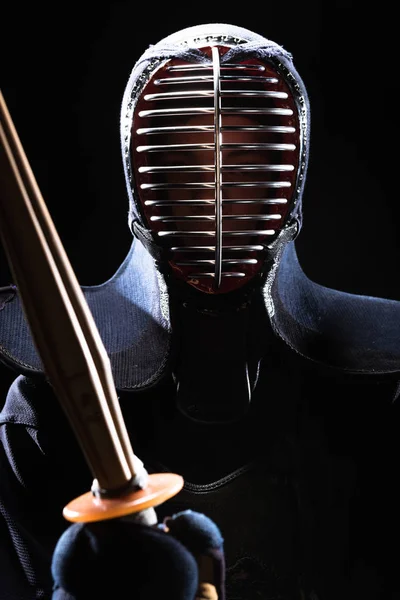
(216, 365)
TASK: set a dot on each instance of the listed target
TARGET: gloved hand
(123, 559)
(202, 537)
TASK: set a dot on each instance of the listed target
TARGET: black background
(64, 70)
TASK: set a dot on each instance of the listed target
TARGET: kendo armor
(215, 135)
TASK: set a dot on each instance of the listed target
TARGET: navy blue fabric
(359, 334)
(196, 531)
(131, 314)
(121, 559)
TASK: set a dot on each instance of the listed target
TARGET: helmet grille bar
(218, 171)
(168, 112)
(208, 128)
(183, 95)
(225, 66)
(195, 147)
(203, 78)
(215, 154)
(186, 249)
(168, 203)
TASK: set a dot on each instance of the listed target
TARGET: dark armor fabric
(303, 488)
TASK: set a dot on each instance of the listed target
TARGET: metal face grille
(215, 153)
